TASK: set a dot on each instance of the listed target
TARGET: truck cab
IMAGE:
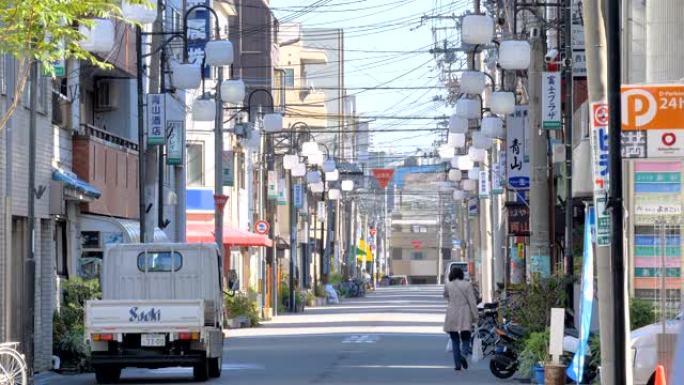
(162, 305)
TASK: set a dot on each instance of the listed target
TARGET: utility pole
(597, 73)
(569, 110)
(440, 257)
(30, 262)
(615, 202)
(540, 253)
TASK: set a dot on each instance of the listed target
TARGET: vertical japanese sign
(600, 167)
(551, 100)
(156, 119)
(517, 149)
(579, 56)
(228, 168)
(298, 196)
(497, 178)
(320, 211)
(174, 142)
(484, 186)
(282, 192)
(199, 28)
(272, 184)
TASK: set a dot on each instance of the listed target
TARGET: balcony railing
(95, 132)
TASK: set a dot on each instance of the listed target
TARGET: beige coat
(462, 308)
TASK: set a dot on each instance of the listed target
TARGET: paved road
(392, 336)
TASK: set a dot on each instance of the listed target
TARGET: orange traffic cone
(660, 375)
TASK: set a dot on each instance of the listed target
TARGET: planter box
(238, 322)
(554, 374)
(320, 301)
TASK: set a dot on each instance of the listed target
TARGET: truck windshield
(159, 262)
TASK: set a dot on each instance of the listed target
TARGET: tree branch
(22, 78)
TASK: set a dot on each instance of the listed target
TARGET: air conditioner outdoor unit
(106, 96)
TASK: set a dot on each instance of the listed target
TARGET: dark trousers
(460, 345)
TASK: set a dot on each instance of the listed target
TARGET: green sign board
(649, 272)
(657, 251)
(602, 223)
(658, 177)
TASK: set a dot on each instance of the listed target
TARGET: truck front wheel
(201, 370)
(107, 374)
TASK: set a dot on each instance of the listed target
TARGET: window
(195, 169)
(288, 73)
(61, 251)
(41, 95)
(159, 262)
(90, 239)
(418, 256)
(397, 253)
(446, 253)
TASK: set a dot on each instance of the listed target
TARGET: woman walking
(460, 316)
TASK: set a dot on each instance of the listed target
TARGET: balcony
(110, 163)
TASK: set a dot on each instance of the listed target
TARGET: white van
(162, 305)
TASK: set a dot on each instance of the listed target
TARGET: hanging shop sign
(156, 119)
(272, 184)
(228, 168)
(579, 56)
(600, 160)
(497, 178)
(484, 187)
(551, 100)
(175, 146)
(298, 195)
(517, 149)
(518, 219)
(282, 193)
(199, 30)
(320, 211)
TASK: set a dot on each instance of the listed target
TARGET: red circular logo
(669, 139)
(601, 116)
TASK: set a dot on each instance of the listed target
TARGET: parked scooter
(505, 363)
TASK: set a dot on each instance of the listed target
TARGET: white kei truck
(161, 306)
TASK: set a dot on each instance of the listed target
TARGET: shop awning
(203, 232)
(73, 182)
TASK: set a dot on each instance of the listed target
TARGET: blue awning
(71, 180)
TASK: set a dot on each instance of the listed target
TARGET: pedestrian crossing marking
(361, 339)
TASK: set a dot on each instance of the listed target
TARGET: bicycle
(13, 370)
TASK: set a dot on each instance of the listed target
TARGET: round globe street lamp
(185, 75)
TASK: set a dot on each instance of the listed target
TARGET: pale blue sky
(384, 26)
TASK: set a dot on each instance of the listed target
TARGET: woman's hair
(456, 273)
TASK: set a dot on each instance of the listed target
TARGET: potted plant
(310, 298)
(241, 311)
(534, 355)
(300, 298)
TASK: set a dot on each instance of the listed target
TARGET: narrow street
(393, 336)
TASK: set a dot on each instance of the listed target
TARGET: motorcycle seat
(516, 330)
(492, 305)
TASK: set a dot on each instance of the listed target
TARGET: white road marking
(362, 339)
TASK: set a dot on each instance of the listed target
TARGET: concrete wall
(13, 169)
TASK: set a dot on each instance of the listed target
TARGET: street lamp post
(219, 57)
